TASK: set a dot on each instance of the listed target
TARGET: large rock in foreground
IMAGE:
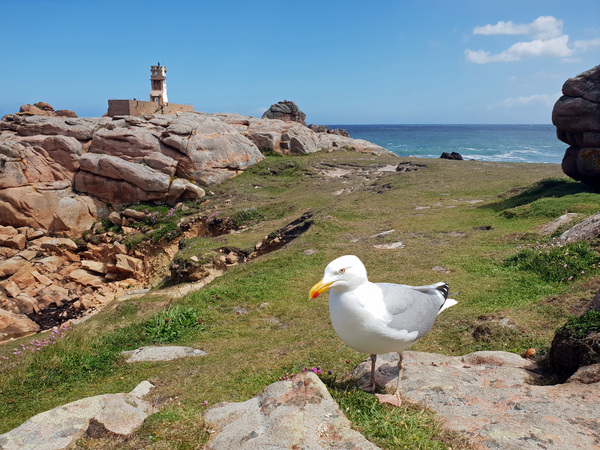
(576, 116)
(62, 426)
(295, 413)
(497, 398)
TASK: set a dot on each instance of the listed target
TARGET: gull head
(342, 274)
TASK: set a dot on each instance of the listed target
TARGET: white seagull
(377, 318)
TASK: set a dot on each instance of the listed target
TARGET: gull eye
(342, 271)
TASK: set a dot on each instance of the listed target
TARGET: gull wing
(412, 309)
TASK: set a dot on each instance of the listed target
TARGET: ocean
(510, 143)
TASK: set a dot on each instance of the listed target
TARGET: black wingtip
(444, 289)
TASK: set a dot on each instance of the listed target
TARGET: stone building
(158, 104)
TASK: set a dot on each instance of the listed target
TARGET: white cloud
(582, 46)
(548, 40)
(557, 47)
(544, 27)
(545, 100)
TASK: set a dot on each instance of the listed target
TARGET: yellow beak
(318, 289)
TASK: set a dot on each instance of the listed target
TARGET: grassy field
(472, 224)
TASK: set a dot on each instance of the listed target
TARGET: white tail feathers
(447, 304)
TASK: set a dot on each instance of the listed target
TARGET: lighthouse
(158, 81)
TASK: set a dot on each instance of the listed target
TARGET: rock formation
(454, 156)
(59, 174)
(44, 109)
(576, 116)
(287, 111)
(293, 138)
(326, 129)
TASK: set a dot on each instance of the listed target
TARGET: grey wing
(441, 287)
(411, 309)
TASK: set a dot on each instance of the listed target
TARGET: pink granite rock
(577, 122)
(15, 325)
(498, 399)
(295, 413)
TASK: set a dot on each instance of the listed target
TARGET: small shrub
(109, 226)
(558, 263)
(167, 231)
(172, 324)
(582, 326)
(269, 152)
(246, 217)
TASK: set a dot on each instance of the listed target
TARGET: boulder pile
(44, 109)
(576, 116)
(48, 280)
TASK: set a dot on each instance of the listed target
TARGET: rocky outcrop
(326, 129)
(294, 413)
(453, 156)
(292, 138)
(46, 280)
(587, 229)
(44, 109)
(576, 116)
(62, 426)
(287, 111)
(59, 174)
(497, 399)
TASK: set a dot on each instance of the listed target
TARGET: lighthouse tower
(158, 80)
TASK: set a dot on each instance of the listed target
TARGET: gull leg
(371, 386)
(400, 370)
(394, 399)
(373, 359)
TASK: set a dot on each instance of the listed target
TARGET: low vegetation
(582, 326)
(466, 222)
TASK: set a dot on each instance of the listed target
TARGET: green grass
(584, 325)
(449, 214)
(172, 324)
(558, 264)
(408, 426)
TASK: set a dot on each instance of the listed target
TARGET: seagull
(377, 318)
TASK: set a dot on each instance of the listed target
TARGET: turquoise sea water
(511, 143)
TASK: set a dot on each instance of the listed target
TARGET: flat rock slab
(390, 246)
(62, 426)
(493, 398)
(294, 413)
(167, 353)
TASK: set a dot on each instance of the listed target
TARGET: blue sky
(342, 62)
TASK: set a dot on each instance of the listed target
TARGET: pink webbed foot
(392, 399)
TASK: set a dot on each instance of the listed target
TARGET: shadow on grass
(548, 188)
